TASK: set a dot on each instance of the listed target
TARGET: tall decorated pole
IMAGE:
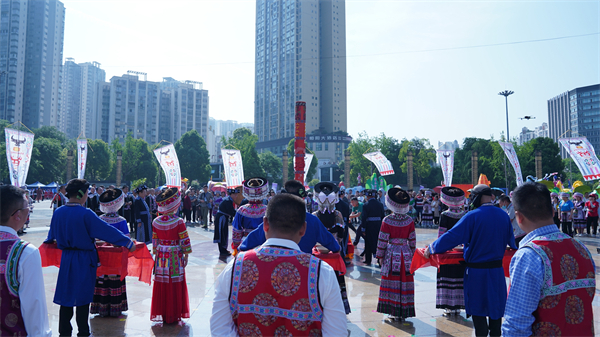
(299, 143)
(69, 165)
(538, 164)
(119, 167)
(284, 160)
(474, 168)
(347, 168)
(409, 169)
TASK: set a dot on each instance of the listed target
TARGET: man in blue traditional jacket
(75, 229)
(315, 230)
(485, 232)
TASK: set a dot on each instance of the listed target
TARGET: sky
(427, 69)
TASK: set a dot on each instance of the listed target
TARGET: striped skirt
(397, 295)
(450, 291)
(110, 296)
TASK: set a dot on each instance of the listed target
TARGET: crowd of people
(276, 283)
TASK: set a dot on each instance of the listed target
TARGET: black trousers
(188, 214)
(483, 328)
(592, 221)
(81, 317)
(194, 213)
(567, 227)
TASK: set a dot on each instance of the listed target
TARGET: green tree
(115, 146)
(424, 157)
(138, 161)
(244, 140)
(99, 163)
(53, 133)
(313, 182)
(572, 173)
(551, 159)
(47, 161)
(312, 170)
(486, 163)
(390, 148)
(193, 157)
(358, 163)
(272, 166)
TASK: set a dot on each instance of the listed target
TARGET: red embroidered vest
(565, 306)
(11, 320)
(274, 292)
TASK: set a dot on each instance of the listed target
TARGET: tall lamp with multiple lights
(506, 93)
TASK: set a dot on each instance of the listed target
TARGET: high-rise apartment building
(576, 113)
(70, 108)
(153, 111)
(189, 105)
(448, 145)
(78, 115)
(301, 56)
(219, 129)
(31, 46)
(527, 135)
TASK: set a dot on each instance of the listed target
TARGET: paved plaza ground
(204, 267)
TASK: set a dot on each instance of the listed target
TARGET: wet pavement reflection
(204, 267)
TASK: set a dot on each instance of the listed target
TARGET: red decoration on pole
(299, 143)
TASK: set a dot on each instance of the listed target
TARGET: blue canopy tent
(37, 184)
(355, 188)
(53, 186)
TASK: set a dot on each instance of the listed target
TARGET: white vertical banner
(384, 166)
(82, 151)
(233, 167)
(19, 145)
(308, 157)
(167, 157)
(584, 155)
(446, 159)
(509, 150)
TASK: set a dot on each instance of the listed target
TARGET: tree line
(50, 148)
(426, 172)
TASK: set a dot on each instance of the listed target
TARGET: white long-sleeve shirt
(31, 290)
(334, 316)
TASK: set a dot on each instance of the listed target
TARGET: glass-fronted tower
(300, 56)
(576, 113)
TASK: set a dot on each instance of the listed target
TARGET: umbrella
(583, 189)
(548, 184)
(217, 186)
(437, 189)
(497, 191)
(219, 189)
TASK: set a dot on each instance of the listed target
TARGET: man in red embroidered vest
(276, 289)
(552, 274)
(23, 310)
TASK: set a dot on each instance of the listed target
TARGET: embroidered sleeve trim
(12, 266)
(235, 282)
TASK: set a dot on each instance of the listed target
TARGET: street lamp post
(506, 93)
